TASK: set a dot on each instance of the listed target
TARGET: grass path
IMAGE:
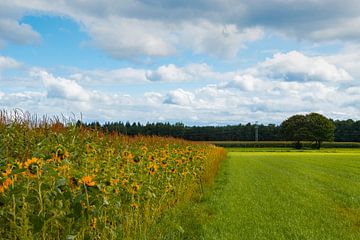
(279, 195)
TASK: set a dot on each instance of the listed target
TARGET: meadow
(283, 195)
(62, 181)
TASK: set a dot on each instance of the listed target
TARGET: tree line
(344, 131)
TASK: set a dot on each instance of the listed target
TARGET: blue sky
(198, 62)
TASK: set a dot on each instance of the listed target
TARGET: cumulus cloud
(112, 76)
(7, 62)
(123, 37)
(222, 40)
(126, 38)
(179, 97)
(62, 88)
(190, 72)
(244, 82)
(164, 73)
(135, 29)
(169, 73)
(295, 66)
(348, 59)
(160, 28)
(13, 31)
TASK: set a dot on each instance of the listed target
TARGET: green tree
(295, 129)
(319, 128)
(311, 127)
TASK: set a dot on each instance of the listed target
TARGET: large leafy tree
(311, 127)
(320, 128)
(295, 129)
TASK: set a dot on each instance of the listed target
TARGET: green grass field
(285, 195)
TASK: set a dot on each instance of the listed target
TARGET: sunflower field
(62, 181)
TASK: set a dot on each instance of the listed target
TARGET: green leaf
(37, 222)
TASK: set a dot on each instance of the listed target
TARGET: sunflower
(152, 168)
(178, 162)
(33, 167)
(144, 150)
(115, 181)
(163, 163)
(7, 183)
(93, 223)
(136, 159)
(7, 172)
(151, 158)
(134, 205)
(88, 181)
(134, 188)
(59, 153)
(124, 182)
(128, 156)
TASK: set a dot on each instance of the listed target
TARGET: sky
(199, 62)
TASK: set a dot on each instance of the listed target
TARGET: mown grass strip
(275, 195)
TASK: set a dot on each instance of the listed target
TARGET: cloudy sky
(198, 62)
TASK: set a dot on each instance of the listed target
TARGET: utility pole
(256, 132)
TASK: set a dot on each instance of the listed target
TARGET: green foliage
(320, 128)
(346, 131)
(311, 127)
(64, 181)
(282, 144)
(295, 128)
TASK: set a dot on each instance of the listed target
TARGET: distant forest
(346, 131)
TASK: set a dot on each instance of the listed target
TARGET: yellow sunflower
(33, 167)
(152, 168)
(88, 181)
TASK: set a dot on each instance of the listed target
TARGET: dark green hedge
(283, 144)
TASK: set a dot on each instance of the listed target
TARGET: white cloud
(224, 40)
(134, 29)
(244, 82)
(127, 38)
(7, 62)
(168, 73)
(179, 97)
(295, 66)
(13, 31)
(348, 59)
(113, 76)
(62, 88)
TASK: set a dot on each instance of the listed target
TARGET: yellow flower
(33, 166)
(136, 159)
(7, 183)
(178, 162)
(7, 172)
(153, 168)
(144, 149)
(134, 205)
(151, 158)
(59, 153)
(115, 181)
(124, 182)
(88, 181)
(134, 188)
(163, 163)
(93, 223)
